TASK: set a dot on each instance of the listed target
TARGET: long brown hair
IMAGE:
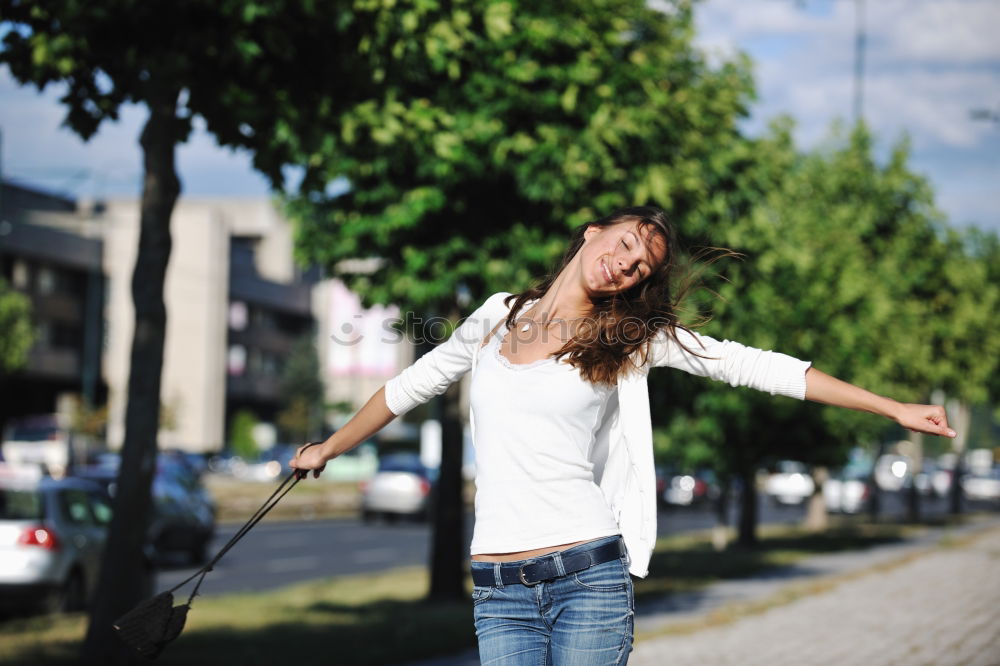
(616, 337)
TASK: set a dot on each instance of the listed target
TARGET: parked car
(932, 480)
(183, 520)
(52, 534)
(847, 492)
(982, 487)
(269, 466)
(39, 440)
(690, 489)
(402, 486)
(790, 483)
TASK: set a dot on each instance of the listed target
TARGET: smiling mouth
(607, 273)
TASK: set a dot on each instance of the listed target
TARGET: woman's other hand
(309, 457)
(930, 419)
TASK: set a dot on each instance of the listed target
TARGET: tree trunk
(913, 492)
(448, 545)
(121, 583)
(955, 504)
(747, 534)
(960, 417)
(817, 519)
(875, 503)
(720, 531)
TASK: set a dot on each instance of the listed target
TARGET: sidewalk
(922, 604)
(930, 600)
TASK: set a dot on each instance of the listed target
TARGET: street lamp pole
(859, 59)
(860, 43)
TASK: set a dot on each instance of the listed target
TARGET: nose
(624, 266)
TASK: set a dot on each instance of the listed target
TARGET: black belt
(545, 567)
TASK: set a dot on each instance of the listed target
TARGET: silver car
(402, 486)
(52, 533)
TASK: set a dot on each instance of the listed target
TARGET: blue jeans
(580, 619)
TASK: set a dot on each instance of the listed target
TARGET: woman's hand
(930, 419)
(310, 457)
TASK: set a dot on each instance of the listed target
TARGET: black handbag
(155, 622)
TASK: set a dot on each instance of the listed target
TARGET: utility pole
(859, 59)
(860, 43)
(2, 217)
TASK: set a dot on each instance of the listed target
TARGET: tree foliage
(16, 332)
(302, 391)
(847, 264)
(495, 127)
(241, 438)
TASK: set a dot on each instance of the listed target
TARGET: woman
(566, 501)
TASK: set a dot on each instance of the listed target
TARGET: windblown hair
(616, 337)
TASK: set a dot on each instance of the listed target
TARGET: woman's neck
(565, 299)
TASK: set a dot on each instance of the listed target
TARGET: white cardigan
(623, 452)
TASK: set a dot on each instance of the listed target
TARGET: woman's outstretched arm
(930, 419)
(371, 418)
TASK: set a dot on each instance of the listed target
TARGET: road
(274, 554)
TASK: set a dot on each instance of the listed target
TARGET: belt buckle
(520, 574)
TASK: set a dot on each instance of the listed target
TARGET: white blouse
(535, 433)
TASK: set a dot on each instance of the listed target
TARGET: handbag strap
(268, 504)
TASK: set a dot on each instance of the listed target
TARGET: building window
(43, 334)
(236, 361)
(21, 274)
(238, 317)
(46, 280)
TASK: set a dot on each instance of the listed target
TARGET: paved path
(913, 603)
(936, 607)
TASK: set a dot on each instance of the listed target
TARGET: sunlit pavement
(933, 601)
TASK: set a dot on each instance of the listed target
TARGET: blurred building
(61, 272)
(236, 304)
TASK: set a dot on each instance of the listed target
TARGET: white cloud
(933, 107)
(928, 63)
(953, 32)
(739, 20)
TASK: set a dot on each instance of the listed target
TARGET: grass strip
(383, 619)
(363, 619)
(236, 500)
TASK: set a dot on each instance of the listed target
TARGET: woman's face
(617, 257)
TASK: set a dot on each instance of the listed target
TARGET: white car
(790, 484)
(52, 533)
(401, 487)
(985, 487)
(38, 440)
(846, 494)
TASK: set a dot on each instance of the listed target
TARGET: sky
(928, 65)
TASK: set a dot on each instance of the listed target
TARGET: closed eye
(641, 274)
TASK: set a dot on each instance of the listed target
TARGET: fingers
(930, 419)
(940, 419)
(306, 463)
